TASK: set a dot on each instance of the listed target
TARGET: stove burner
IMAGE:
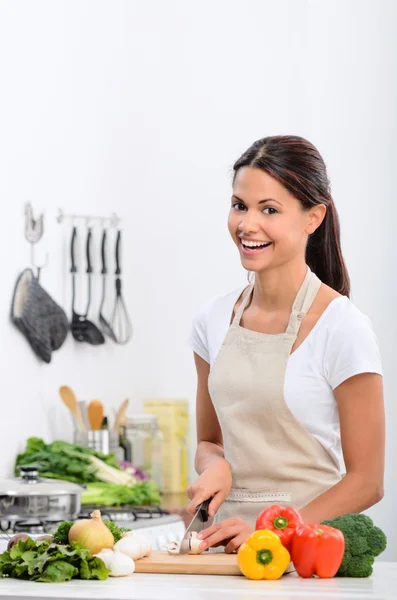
(127, 512)
(37, 527)
(118, 514)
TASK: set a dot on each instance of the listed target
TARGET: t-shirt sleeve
(198, 337)
(352, 349)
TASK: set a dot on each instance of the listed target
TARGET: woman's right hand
(215, 482)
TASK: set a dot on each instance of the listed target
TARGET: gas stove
(158, 525)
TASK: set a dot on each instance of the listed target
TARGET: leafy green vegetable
(48, 562)
(61, 460)
(62, 533)
(116, 530)
(363, 542)
(140, 493)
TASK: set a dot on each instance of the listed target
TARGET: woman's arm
(214, 471)
(362, 426)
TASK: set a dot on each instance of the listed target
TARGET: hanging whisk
(121, 322)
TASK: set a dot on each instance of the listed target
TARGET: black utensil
(105, 325)
(121, 323)
(82, 329)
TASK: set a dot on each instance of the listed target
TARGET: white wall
(142, 108)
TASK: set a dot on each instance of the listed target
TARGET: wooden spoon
(69, 398)
(120, 416)
(95, 414)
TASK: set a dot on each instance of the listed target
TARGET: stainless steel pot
(29, 497)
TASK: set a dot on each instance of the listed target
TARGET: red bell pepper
(317, 550)
(281, 520)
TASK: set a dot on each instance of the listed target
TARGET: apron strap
(243, 305)
(303, 301)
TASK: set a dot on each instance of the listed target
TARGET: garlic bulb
(119, 564)
(134, 545)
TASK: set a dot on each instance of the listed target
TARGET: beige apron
(273, 458)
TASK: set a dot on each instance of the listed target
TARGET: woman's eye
(238, 206)
(272, 211)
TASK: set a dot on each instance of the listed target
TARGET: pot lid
(30, 484)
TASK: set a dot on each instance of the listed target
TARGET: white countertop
(381, 586)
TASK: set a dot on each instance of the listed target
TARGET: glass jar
(147, 446)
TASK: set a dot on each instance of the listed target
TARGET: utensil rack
(114, 219)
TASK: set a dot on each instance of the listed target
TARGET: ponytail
(324, 253)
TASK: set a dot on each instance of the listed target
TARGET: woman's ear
(316, 217)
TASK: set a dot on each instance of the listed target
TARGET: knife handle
(204, 510)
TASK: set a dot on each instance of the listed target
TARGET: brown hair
(299, 167)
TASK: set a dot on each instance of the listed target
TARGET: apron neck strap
(303, 301)
(243, 305)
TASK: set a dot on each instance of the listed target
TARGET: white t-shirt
(341, 344)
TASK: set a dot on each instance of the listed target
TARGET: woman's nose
(248, 223)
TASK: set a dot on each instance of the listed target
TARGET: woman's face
(267, 224)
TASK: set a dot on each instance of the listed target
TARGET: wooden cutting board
(208, 563)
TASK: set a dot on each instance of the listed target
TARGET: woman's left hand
(230, 533)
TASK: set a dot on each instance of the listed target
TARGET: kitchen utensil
(199, 522)
(82, 329)
(95, 414)
(29, 497)
(83, 405)
(105, 325)
(121, 415)
(102, 440)
(70, 400)
(208, 563)
(121, 323)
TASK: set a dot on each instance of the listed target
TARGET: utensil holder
(103, 440)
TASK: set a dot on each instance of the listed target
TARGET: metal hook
(34, 229)
(38, 267)
(114, 220)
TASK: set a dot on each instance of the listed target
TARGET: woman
(289, 373)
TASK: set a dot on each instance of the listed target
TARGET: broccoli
(116, 530)
(363, 542)
(62, 533)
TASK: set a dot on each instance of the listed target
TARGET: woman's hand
(215, 482)
(230, 533)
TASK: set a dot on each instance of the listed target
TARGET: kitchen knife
(200, 521)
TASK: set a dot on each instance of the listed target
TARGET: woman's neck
(276, 289)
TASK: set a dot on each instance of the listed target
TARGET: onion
(92, 533)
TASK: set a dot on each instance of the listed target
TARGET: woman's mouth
(251, 248)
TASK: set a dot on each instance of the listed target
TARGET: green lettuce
(141, 493)
(50, 563)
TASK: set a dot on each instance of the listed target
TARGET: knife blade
(200, 521)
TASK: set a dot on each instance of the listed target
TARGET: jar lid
(30, 484)
(141, 419)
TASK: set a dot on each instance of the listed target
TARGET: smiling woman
(289, 397)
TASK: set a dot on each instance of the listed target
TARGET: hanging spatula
(70, 400)
(95, 414)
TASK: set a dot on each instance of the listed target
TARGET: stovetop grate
(127, 512)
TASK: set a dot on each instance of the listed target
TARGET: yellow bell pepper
(263, 556)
